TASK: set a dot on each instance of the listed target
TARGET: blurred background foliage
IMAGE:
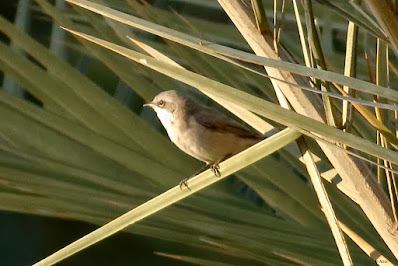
(57, 184)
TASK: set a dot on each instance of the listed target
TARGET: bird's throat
(167, 120)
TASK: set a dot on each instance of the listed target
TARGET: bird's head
(165, 105)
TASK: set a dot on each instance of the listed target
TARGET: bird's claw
(184, 182)
(216, 169)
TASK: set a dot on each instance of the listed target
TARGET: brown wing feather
(217, 121)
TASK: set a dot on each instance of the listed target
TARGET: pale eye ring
(161, 103)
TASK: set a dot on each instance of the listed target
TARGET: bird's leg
(215, 166)
(216, 169)
(184, 181)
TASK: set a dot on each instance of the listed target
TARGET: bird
(200, 131)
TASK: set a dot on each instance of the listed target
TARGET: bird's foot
(184, 183)
(216, 169)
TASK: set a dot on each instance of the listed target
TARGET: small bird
(201, 131)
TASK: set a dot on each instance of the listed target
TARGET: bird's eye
(161, 103)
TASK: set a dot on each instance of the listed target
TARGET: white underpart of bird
(167, 120)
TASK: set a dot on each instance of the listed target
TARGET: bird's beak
(149, 104)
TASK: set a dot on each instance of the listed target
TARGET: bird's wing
(217, 121)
